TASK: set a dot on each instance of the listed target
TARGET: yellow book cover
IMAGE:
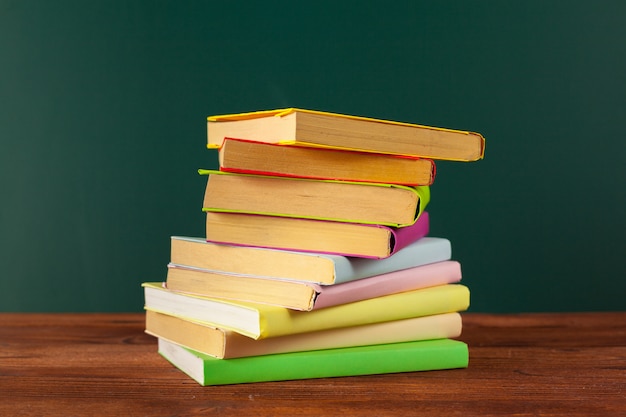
(261, 321)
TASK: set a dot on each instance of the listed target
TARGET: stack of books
(317, 259)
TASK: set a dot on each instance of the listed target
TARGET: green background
(102, 126)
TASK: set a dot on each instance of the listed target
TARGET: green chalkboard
(102, 129)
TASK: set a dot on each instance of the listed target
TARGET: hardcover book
(222, 344)
(426, 355)
(342, 201)
(324, 269)
(333, 130)
(260, 321)
(308, 235)
(298, 295)
(252, 157)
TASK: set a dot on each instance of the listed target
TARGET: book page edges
(306, 217)
(185, 360)
(217, 146)
(332, 262)
(251, 115)
(290, 110)
(399, 237)
(276, 314)
(422, 192)
(419, 189)
(286, 111)
(351, 149)
(311, 251)
(327, 148)
(408, 183)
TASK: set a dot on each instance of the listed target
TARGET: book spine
(404, 236)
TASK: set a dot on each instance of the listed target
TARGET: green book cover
(424, 355)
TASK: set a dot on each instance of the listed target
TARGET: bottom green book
(425, 355)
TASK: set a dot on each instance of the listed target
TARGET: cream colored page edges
(321, 235)
(258, 262)
(244, 316)
(353, 202)
(306, 162)
(266, 129)
(281, 113)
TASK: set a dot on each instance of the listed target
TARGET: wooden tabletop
(523, 365)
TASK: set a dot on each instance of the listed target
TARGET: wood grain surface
(521, 364)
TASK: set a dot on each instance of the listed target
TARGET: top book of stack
(337, 131)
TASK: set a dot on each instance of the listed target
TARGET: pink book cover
(401, 237)
(438, 273)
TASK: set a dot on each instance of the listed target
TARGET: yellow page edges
(423, 192)
(289, 110)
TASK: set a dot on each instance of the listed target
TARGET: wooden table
(523, 365)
